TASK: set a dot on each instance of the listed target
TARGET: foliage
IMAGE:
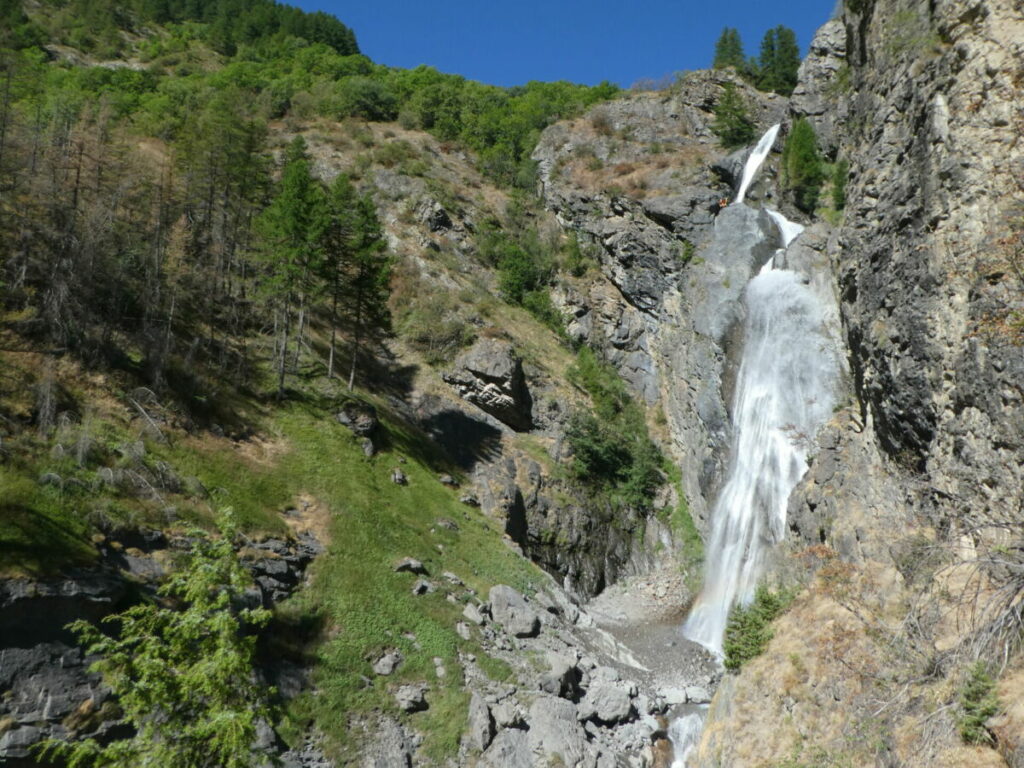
(802, 170)
(748, 631)
(182, 669)
(729, 50)
(612, 451)
(732, 120)
(978, 704)
(779, 61)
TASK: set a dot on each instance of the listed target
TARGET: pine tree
(364, 308)
(293, 228)
(729, 50)
(732, 122)
(340, 241)
(779, 61)
(802, 169)
(182, 669)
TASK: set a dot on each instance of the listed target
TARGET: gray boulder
(510, 609)
(412, 698)
(490, 376)
(481, 724)
(510, 749)
(555, 731)
(607, 703)
(389, 747)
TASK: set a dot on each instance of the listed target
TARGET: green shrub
(802, 170)
(749, 629)
(612, 452)
(978, 703)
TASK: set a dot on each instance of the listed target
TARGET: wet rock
(510, 609)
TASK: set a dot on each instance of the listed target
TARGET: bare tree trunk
(283, 360)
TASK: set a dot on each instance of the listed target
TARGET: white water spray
(788, 229)
(784, 393)
(684, 733)
(754, 160)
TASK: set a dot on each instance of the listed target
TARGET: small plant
(978, 703)
(749, 629)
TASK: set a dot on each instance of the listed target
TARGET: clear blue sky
(585, 41)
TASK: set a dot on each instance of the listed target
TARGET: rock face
(490, 376)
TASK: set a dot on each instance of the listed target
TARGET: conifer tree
(364, 309)
(732, 122)
(341, 238)
(779, 61)
(293, 227)
(802, 170)
(729, 50)
(182, 669)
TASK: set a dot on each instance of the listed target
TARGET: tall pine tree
(293, 228)
(363, 303)
(779, 61)
(729, 50)
(802, 170)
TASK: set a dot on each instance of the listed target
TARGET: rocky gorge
(901, 542)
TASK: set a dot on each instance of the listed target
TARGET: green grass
(40, 527)
(366, 606)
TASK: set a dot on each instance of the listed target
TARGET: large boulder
(510, 609)
(490, 376)
(510, 749)
(555, 731)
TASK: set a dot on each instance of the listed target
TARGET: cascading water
(785, 391)
(754, 160)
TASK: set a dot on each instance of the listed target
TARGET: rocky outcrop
(823, 83)
(490, 376)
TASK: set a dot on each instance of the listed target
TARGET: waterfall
(784, 393)
(684, 733)
(754, 160)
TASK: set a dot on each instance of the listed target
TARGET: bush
(979, 703)
(802, 170)
(748, 631)
(365, 97)
(612, 452)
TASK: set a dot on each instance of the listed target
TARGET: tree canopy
(729, 50)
